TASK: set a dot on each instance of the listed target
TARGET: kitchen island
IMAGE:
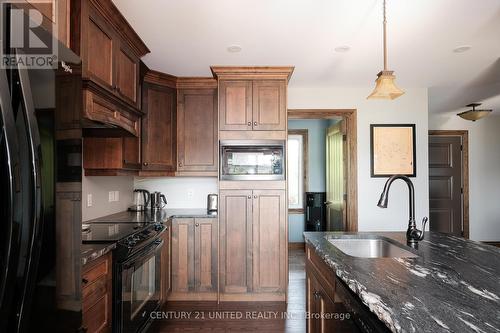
(453, 285)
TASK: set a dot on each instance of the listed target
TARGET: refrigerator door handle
(36, 227)
(9, 145)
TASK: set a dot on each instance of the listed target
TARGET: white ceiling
(187, 36)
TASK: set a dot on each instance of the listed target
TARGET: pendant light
(474, 114)
(385, 87)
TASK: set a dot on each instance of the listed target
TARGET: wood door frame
(305, 161)
(350, 118)
(464, 135)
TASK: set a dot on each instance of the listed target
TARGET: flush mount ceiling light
(462, 49)
(234, 48)
(474, 114)
(385, 87)
(342, 49)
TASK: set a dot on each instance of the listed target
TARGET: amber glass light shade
(385, 87)
(474, 115)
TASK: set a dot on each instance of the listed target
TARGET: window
(297, 169)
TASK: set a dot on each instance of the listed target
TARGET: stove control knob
(158, 227)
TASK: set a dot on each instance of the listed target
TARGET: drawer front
(93, 273)
(92, 293)
(97, 317)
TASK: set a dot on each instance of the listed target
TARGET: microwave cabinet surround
(252, 160)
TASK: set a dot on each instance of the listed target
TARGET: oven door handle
(151, 248)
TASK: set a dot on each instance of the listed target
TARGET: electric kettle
(158, 201)
(141, 200)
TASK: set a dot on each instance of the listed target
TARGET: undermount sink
(370, 248)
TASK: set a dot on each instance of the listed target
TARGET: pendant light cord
(385, 40)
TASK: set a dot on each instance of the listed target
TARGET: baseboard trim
(497, 244)
(296, 246)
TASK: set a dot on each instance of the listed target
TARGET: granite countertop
(149, 217)
(91, 252)
(452, 286)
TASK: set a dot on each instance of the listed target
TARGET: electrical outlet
(117, 195)
(89, 200)
(190, 194)
(111, 196)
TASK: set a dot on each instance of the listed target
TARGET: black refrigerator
(27, 180)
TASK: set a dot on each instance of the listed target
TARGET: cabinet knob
(180, 164)
(255, 197)
(249, 123)
(317, 295)
(145, 163)
(255, 123)
(85, 281)
(197, 224)
(249, 197)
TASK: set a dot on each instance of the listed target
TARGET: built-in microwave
(252, 160)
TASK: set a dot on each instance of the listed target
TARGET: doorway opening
(322, 170)
(449, 182)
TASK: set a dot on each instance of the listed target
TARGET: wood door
(100, 55)
(158, 128)
(183, 248)
(269, 241)
(235, 105)
(445, 184)
(235, 241)
(197, 148)
(205, 256)
(336, 181)
(166, 260)
(269, 105)
(127, 74)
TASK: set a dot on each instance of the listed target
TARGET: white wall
(409, 108)
(484, 168)
(99, 187)
(181, 192)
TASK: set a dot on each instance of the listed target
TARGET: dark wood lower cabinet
(97, 295)
(330, 305)
(194, 259)
(166, 261)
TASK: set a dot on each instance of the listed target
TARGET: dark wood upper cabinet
(252, 98)
(235, 105)
(127, 74)
(109, 48)
(158, 128)
(197, 148)
(269, 105)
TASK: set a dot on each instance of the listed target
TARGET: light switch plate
(111, 196)
(117, 195)
(89, 200)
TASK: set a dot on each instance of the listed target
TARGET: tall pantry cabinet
(253, 215)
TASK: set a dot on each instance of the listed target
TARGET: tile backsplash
(181, 192)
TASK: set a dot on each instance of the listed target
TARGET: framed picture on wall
(393, 150)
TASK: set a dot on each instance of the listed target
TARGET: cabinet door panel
(269, 105)
(269, 240)
(127, 75)
(158, 128)
(166, 260)
(236, 241)
(235, 105)
(100, 51)
(206, 254)
(183, 255)
(197, 130)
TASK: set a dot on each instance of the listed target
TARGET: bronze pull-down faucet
(413, 235)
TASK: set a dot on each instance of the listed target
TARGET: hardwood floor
(242, 317)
